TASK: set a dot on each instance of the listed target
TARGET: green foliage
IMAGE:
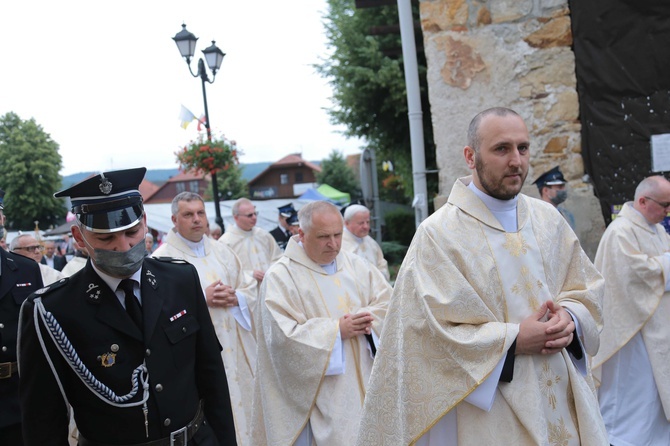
(231, 184)
(336, 173)
(400, 226)
(366, 73)
(394, 252)
(29, 174)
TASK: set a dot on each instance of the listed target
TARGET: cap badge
(105, 184)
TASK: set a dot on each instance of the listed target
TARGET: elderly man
(480, 343)
(28, 246)
(356, 238)
(127, 342)
(551, 186)
(254, 246)
(50, 258)
(317, 310)
(19, 277)
(634, 258)
(229, 293)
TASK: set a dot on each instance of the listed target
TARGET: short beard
(490, 189)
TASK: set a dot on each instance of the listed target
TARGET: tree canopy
(336, 173)
(29, 174)
(366, 73)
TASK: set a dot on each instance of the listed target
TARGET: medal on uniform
(108, 359)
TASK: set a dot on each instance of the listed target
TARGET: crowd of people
(497, 330)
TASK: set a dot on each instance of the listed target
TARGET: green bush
(394, 253)
(400, 226)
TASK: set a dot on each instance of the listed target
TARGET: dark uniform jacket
(19, 276)
(280, 236)
(179, 345)
(59, 262)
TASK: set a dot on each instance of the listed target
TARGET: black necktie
(132, 305)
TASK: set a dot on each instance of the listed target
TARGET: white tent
(159, 216)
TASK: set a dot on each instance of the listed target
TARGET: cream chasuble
(631, 258)
(298, 323)
(463, 288)
(367, 248)
(256, 249)
(239, 344)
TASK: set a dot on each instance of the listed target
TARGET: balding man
(28, 246)
(316, 307)
(356, 238)
(255, 247)
(634, 258)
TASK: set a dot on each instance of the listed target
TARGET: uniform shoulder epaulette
(170, 259)
(54, 286)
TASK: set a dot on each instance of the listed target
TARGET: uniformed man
(127, 341)
(551, 186)
(283, 233)
(19, 277)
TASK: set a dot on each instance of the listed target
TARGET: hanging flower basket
(208, 156)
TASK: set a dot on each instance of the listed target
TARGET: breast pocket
(182, 335)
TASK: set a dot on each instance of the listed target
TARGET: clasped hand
(355, 324)
(537, 336)
(220, 295)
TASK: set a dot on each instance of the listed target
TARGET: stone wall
(512, 53)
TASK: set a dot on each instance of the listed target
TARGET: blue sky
(106, 81)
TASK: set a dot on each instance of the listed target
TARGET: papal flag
(186, 116)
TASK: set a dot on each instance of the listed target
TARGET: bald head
(652, 198)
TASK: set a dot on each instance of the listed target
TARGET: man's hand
(547, 331)
(258, 275)
(219, 295)
(561, 332)
(355, 324)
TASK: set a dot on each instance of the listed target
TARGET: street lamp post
(186, 43)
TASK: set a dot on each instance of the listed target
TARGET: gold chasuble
(631, 255)
(463, 288)
(368, 248)
(239, 344)
(256, 249)
(297, 327)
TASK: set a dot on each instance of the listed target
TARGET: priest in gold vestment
(230, 296)
(318, 309)
(493, 314)
(356, 238)
(254, 246)
(632, 364)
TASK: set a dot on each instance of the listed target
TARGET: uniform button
(2, 325)
(167, 422)
(159, 387)
(147, 353)
(183, 329)
(4, 348)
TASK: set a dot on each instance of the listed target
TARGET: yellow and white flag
(186, 116)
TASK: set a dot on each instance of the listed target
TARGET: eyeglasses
(253, 214)
(39, 248)
(663, 204)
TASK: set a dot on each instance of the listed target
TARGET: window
(298, 177)
(283, 178)
(181, 187)
(193, 186)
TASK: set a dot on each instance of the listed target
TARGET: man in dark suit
(282, 232)
(50, 258)
(19, 276)
(134, 350)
